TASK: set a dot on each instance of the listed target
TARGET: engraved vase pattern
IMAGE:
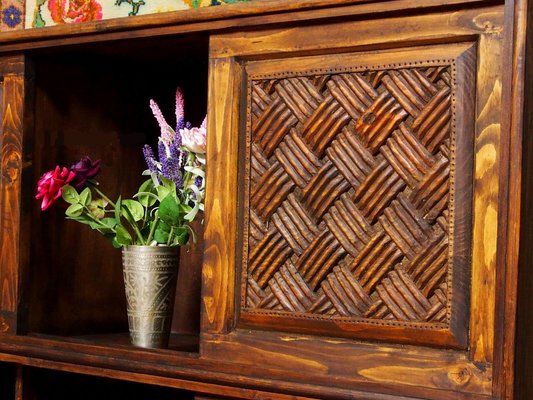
(150, 275)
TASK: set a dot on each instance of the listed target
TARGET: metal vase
(150, 274)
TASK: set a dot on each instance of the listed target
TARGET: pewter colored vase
(150, 274)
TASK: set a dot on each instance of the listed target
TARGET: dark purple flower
(162, 154)
(180, 125)
(174, 172)
(84, 169)
(198, 182)
(149, 158)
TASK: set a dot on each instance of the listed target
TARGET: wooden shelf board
(186, 343)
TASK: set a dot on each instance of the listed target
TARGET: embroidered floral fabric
(20, 14)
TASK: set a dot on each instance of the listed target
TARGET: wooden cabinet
(366, 223)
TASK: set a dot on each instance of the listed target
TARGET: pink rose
(194, 139)
(50, 185)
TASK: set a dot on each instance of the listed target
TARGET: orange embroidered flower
(72, 11)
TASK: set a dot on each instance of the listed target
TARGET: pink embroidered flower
(194, 139)
(72, 11)
(50, 185)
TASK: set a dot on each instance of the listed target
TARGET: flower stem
(133, 224)
(152, 228)
(170, 236)
(103, 195)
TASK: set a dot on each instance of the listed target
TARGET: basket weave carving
(349, 195)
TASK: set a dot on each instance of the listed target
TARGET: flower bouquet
(151, 225)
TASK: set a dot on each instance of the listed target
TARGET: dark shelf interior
(94, 100)
(55, 385)
(7, 381)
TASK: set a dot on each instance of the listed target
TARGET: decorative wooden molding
(350, 182)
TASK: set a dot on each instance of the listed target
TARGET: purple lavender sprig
(149, 157)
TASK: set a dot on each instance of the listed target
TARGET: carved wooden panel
(350, 208)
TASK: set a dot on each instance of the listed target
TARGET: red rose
(50, 185)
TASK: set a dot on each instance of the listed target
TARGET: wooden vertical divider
(15, 98)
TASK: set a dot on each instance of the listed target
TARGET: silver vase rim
(144, 249)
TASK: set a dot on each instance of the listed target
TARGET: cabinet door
(14, 94)
(352, 203)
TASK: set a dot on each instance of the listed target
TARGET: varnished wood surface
(218, 309)
(518, 274)
(173, 369)
(11, 165)
(376, 34)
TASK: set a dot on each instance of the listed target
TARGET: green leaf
(162, 192)
(75, 210)
(95, 225)
(135, 208)
(170, 210)
(164, 226)
(86, 196)
(146, 194)
(115, 243)
(169, 184)
(118, 209)
(161, 236)
(182, 236)
(109, 222)
(123, 236)
(70, 195)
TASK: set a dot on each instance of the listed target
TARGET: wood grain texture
(221, 196)
(174, 369)
(10, 195)
(374, 34)
(409, 371)
(353, 191)
(486, 170)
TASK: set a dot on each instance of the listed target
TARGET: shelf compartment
(94, 100)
